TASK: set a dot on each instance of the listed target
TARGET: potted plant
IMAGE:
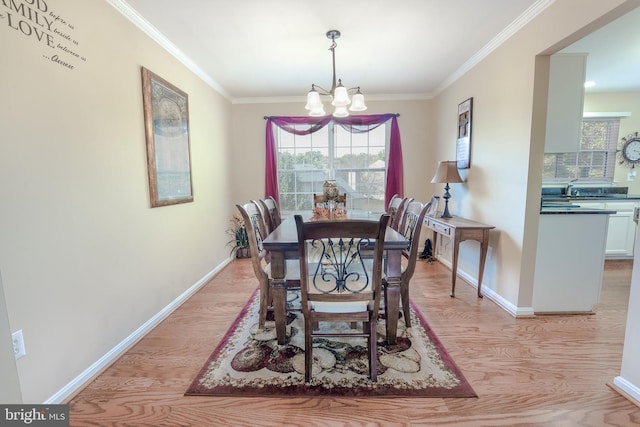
(240, 239)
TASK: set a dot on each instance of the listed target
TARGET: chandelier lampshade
(357, 103)
(340, 96)
(338, 93)
(313, 100)
(341, 112)
(318, 112)
(314, 105)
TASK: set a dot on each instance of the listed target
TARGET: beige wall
(10, 391)
(85, 261)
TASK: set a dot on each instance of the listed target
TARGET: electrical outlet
(18, 344)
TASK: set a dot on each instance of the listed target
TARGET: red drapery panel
(395, 175)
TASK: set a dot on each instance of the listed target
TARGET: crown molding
(299, 99)
(522, 20)
(146, 27)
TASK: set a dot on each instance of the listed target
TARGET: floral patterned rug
(249, 362)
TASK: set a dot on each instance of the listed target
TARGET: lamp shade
(341, 112)
(340, 97)
(357, 103)
(318, 112)
(447, 172)
(313, 101)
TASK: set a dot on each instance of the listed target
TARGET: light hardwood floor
(544, 371)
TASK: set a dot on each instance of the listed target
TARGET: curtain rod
(271, 117)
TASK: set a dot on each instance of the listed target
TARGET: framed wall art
(463, 143)
(166, 122)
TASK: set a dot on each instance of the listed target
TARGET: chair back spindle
(396, 211)
(271, 212)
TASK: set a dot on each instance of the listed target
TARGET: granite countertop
(568, 209)
(587, 194)
(560, 200)
(580, 198)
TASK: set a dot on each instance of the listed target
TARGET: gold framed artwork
(463, 143)
(166, 122)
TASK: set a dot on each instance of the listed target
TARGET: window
(595, 162)
(355, 157)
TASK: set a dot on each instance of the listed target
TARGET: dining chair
(412, 225)
(257, 231)
(392, 209)
(393, 204)
(270, 212)
(433, 209)
(337, 283)
(396, 209)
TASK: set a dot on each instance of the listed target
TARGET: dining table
(282, 245)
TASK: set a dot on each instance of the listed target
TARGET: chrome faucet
(567, 190)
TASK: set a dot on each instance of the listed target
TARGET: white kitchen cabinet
(621, 230)
(565, 102)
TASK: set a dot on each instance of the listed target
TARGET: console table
(458, 230)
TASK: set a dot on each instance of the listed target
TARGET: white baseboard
(88, 375)
(632, 391)
(507, 306)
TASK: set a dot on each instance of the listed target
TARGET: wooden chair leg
(406, 310)
(308, 350)
(264, 304)
(373, 350)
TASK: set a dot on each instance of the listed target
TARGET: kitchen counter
(569, 260)
(573, 210)
(587, 194)
(602, 198)
(566, 208)
(611, 202)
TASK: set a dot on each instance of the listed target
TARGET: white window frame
(303, 198)
(579, 166)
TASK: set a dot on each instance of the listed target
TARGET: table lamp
(446, 173)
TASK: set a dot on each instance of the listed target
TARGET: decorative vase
(243, 253)
(330, 189)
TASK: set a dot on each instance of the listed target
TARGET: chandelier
(338, 93)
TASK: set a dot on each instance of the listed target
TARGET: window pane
(356, 160)
(594, 135)
(596, 159)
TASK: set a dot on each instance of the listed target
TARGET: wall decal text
(35, 20)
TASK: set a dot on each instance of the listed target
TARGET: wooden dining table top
(285, 236)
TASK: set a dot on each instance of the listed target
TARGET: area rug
(249, 362)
